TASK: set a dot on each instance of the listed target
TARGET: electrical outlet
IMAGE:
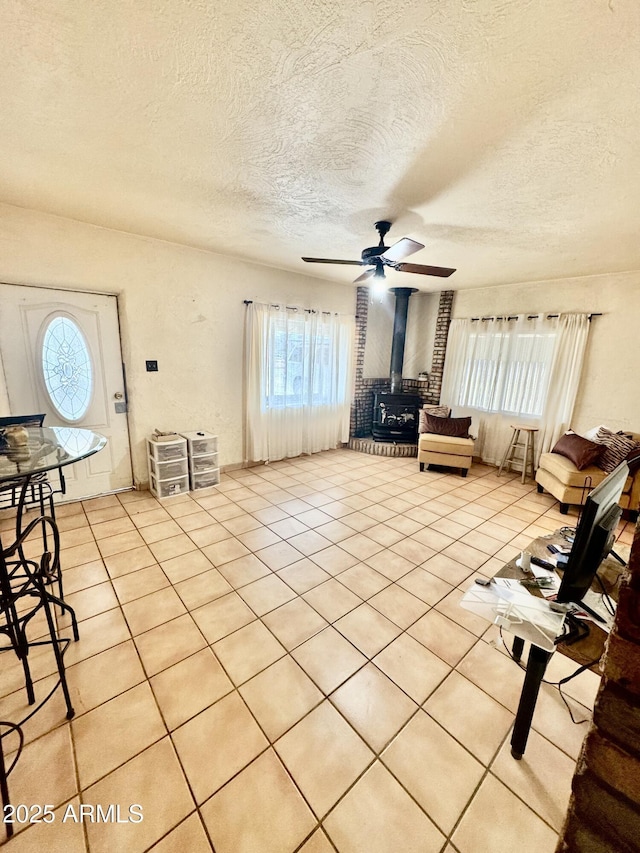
(152, 366)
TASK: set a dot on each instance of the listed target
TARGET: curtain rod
(529, 317)
(293, 308)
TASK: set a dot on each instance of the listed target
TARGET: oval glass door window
(67, 368)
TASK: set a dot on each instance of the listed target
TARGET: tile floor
(281, 664)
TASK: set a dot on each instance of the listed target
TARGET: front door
(61, 356)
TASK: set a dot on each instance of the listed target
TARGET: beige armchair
(445, 450)
(559, 476)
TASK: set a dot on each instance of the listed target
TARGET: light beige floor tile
(114, 732)
(225, 551)
(439, 773)
(384, 535)
(119, 543)
(470, 715)
(404, 525)
(542, 778)
(248, 651)
(314, 518)
(443, 637)
(374, 706)
(280, 819)
(210, 534)
(237, 738)
(335, 531)
(378, 816)
(279, 555)
(266, 594)
(152, 610)
(447, 569)
(324, 755)
(136, 584)
(78, 555)
(45, 771)
(244, 570)
(194, 521)
(285, 527)
(220, 617)
(360, 546)
(190, 686)
(280, 696)
(78, 536)
(187, 836)
(303, 575)
(152, 516)
(334, 559)
(262, 537)
(389, 564)
(551, 719)
(202, 588)
(270, 516)
(332, 600)
(154, 781)
(112, 528)
(484, 827)
(465, 554)
(318, 843)
(294, 622)
(103, 676)
(400, 606)
(433, 539)
(60, 836)
(412, 667)
(165, 549)
(92, 601)
(367, 629)
(169, 643)
(82, 577)
(129, 561)
(309, 543)
(493, 672)
(425, 586)
(97, 634)
(163, 530)
(363, 580)
(328, 659)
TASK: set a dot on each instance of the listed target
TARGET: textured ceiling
(502, 134)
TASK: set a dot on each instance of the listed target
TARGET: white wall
(181, 306)
(421, 329)
(610, 387)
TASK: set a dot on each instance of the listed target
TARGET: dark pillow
(615, 448)
(455, 427)
(578, 450)
(435, 411)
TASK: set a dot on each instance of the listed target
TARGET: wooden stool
(528, 445)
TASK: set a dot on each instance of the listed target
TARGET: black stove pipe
(402, 295)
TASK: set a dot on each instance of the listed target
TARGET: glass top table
(47, 448)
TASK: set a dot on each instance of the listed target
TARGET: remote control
(544, 564)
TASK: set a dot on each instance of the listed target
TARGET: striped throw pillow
(616, 448)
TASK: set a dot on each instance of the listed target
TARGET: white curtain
(298, 371)
(525, 370)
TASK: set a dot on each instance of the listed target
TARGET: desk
(584, 652)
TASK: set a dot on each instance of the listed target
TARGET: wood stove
(395, 417)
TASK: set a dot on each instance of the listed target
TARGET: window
(507, 371)
(66, 368)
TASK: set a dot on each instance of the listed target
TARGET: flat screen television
(595, 535)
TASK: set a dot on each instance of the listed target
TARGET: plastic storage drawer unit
(168, 470)
(203, 463)
(200, 443)
(168, 488)
(167, 451)
(204, 479)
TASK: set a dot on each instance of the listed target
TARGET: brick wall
(362, 406)
(604, 810)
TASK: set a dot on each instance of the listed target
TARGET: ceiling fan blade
(402, 249)
(330, 261)
(365, 275)
(421, 269)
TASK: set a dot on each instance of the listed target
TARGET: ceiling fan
(381, 256)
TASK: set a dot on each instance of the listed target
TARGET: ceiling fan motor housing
(369, 255)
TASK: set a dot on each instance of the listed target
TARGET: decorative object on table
(16, 436)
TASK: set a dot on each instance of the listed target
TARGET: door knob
(118, 395)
